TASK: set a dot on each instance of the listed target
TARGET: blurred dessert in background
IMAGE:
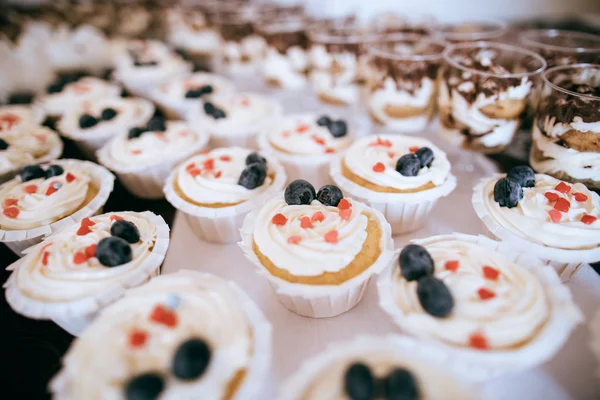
(560, 47)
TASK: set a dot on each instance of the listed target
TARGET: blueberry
(415, 262)
(113, 251)
(218, 114)
(21, 98)
(156, 124)
(139, 63)
(507, 192)
(191, 359)
(194, 94)
(135, 133)
(359, 383)
(125, 230)
(32, 172)
(87, 121)
(54, 170)
(207, 89)
(56, 87)
(324, 121)
(71, 77)
(253, 176)
(523, 175)
(408, 165)
(435, 297)
(299, 192)
(400, 384)
(425, 155)
(147, 386)
(338, 128)
(254, 157)
(330, 195)
(209, 108)
(108, 114)
(3, 144)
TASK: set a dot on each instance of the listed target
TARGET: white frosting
(213, 177)
(74, 94)
(341, 85)
(557, 129)
(581, 126)
(365, 153)
(300, 259)
(131, 112)
(530, 219)
(27, 143)
(518, 309)
(300, 134)
(84, 48)
(287, 69)
(39, 203)
(133, 20)
(195, 38)
(577, 164)
(207, 309)
(15, 117)
(246, 53)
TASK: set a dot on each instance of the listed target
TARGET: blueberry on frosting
(125, 230)
(135, 133)
(359, 383)
(415, 262)
(198, 92)
(54, 170)
(425, 155)
(191, 359)
(214, 111)
(55, 87)
(3, 144)
(435, 297)
(523, 175)
(87, 121)
(253, 176)
(113, 251)
(108, 114)
(507, 192)
(401, 384)
(32, 172)
(218, 114)
(330, 195)
(338, 128)
(254, 157)
(209, 107)
(408, 165)
(156, 124)
(324, 121)
(299, 192)
(147, 386)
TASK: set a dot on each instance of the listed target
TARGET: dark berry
(330, 195)
(191, 359)
(523, 175)
(218, 114)
(425, 155)
(400, 384)
(299, 192)
(324, 121)
(253, 176)
(125, 230)
(408, 165)
(113, 251)
(21, 98)
(194, 94)
(71, 77)
(56, 87)
(209, 108)
(338, 128)
(207, 89)
(107, 74)
(147, 386)
(3, 144)
(159, 113)
(507, 192)
(156, 124)
(435, 297)
(139, 63)
(108, 114)
(135, 133)
(254, 157)
(87, 121)
(359, 383)
(32, 172)
(415, 262)
(54, 170)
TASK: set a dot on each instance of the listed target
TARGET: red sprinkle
(45, 258)
(318, 140)
(137, 338)
(90, 251)
(580, 197)
(279, 219)
(478, 341)
(10, 202)
(490, 273)
(562, 205)
(379, 142)
(329, 150)
(218, 174)
(413, 149)
(190, 166)
(225, 158)
(318, 217)
(588, 219)
(391, 154)
(51, 189)
(563, 188)
(164, 316)
(208, 164)
(485, 294)
(379, 167)
(194, 172)
(245, 102)
(331, 237)
(183, 133)
(116, 218)
(301, 128)
(136, 152)
(87, 222)
(83, 230)
(555, 216)
(551, 196)
(346, 214)
(205, 152)
(452, 265)
(286, 134)
(79, 258)
(69, 177)
(344, 204)
(305, 223)
(11, 212)
(294, 239)
(31, 189)
(8, 119)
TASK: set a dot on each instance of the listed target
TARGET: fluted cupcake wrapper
(75, 315)
(19, 240)
(319, 301)
(484, 365)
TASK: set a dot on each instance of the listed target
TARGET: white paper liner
(221, 225)
(147, 181)
(483, 365)
(561, 259)
(405, 212)
(594, 325)
(101, 178)
(296, 385)
(257, 370)
(320, 301)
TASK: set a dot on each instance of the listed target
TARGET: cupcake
(93, 123)
(63, 96)
(235, 119)
(44, 199)
(143, 157)
(179, 96)
(318, 250)
(216, 189)
(372, 367)
(401, 176)
(494, 309)
(184, 335)
(306, 144)
(556, 221)
(74, 273)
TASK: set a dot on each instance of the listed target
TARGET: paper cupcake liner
(561, 259)
(75, 315)
(295, 386)
(19, 240)
(405, 212)
(483, 365)
(221, 225)
(595, 338)
(319, 301)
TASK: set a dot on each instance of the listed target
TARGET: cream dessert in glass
(562, 47)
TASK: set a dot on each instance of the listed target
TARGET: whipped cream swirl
(14, 117)
(27, 144)
(75, 93)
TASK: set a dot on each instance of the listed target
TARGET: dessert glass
(473, 31)
(562, 47)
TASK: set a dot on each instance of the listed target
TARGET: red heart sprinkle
(391, 154)
(90, 251)
(245, 102)
(345, 214)
(83, 230)
(164, 316)
(116, 218)
(580, 197)
(294, 239)
(87, 222)
(301, 128)
(279, 219)
(452, 265)
(490, 273)
(344, 204)
(413, 149)
(285, 134)
(194, 172)
(9, 120)
(478, 341)
(485, 294)
(329, 150)
(562, 204)
(218, 174)
(588, 219)
(137, 338)
(208, 164)
(31, 189)
(11, 212)
(136, 152)
(190, 166)
(379, 142)
(10, 202)
(51, 189)
(563, 188)
(45, 258)
(305, 223)
(331, 237)
(69, 177)
(318, 217)
(318, 140)
(551, 196)
(79, 258)
(225, 158)
(379, 167)
(555, 216)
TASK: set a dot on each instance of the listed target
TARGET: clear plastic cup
(562, 47)
(473, 31)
